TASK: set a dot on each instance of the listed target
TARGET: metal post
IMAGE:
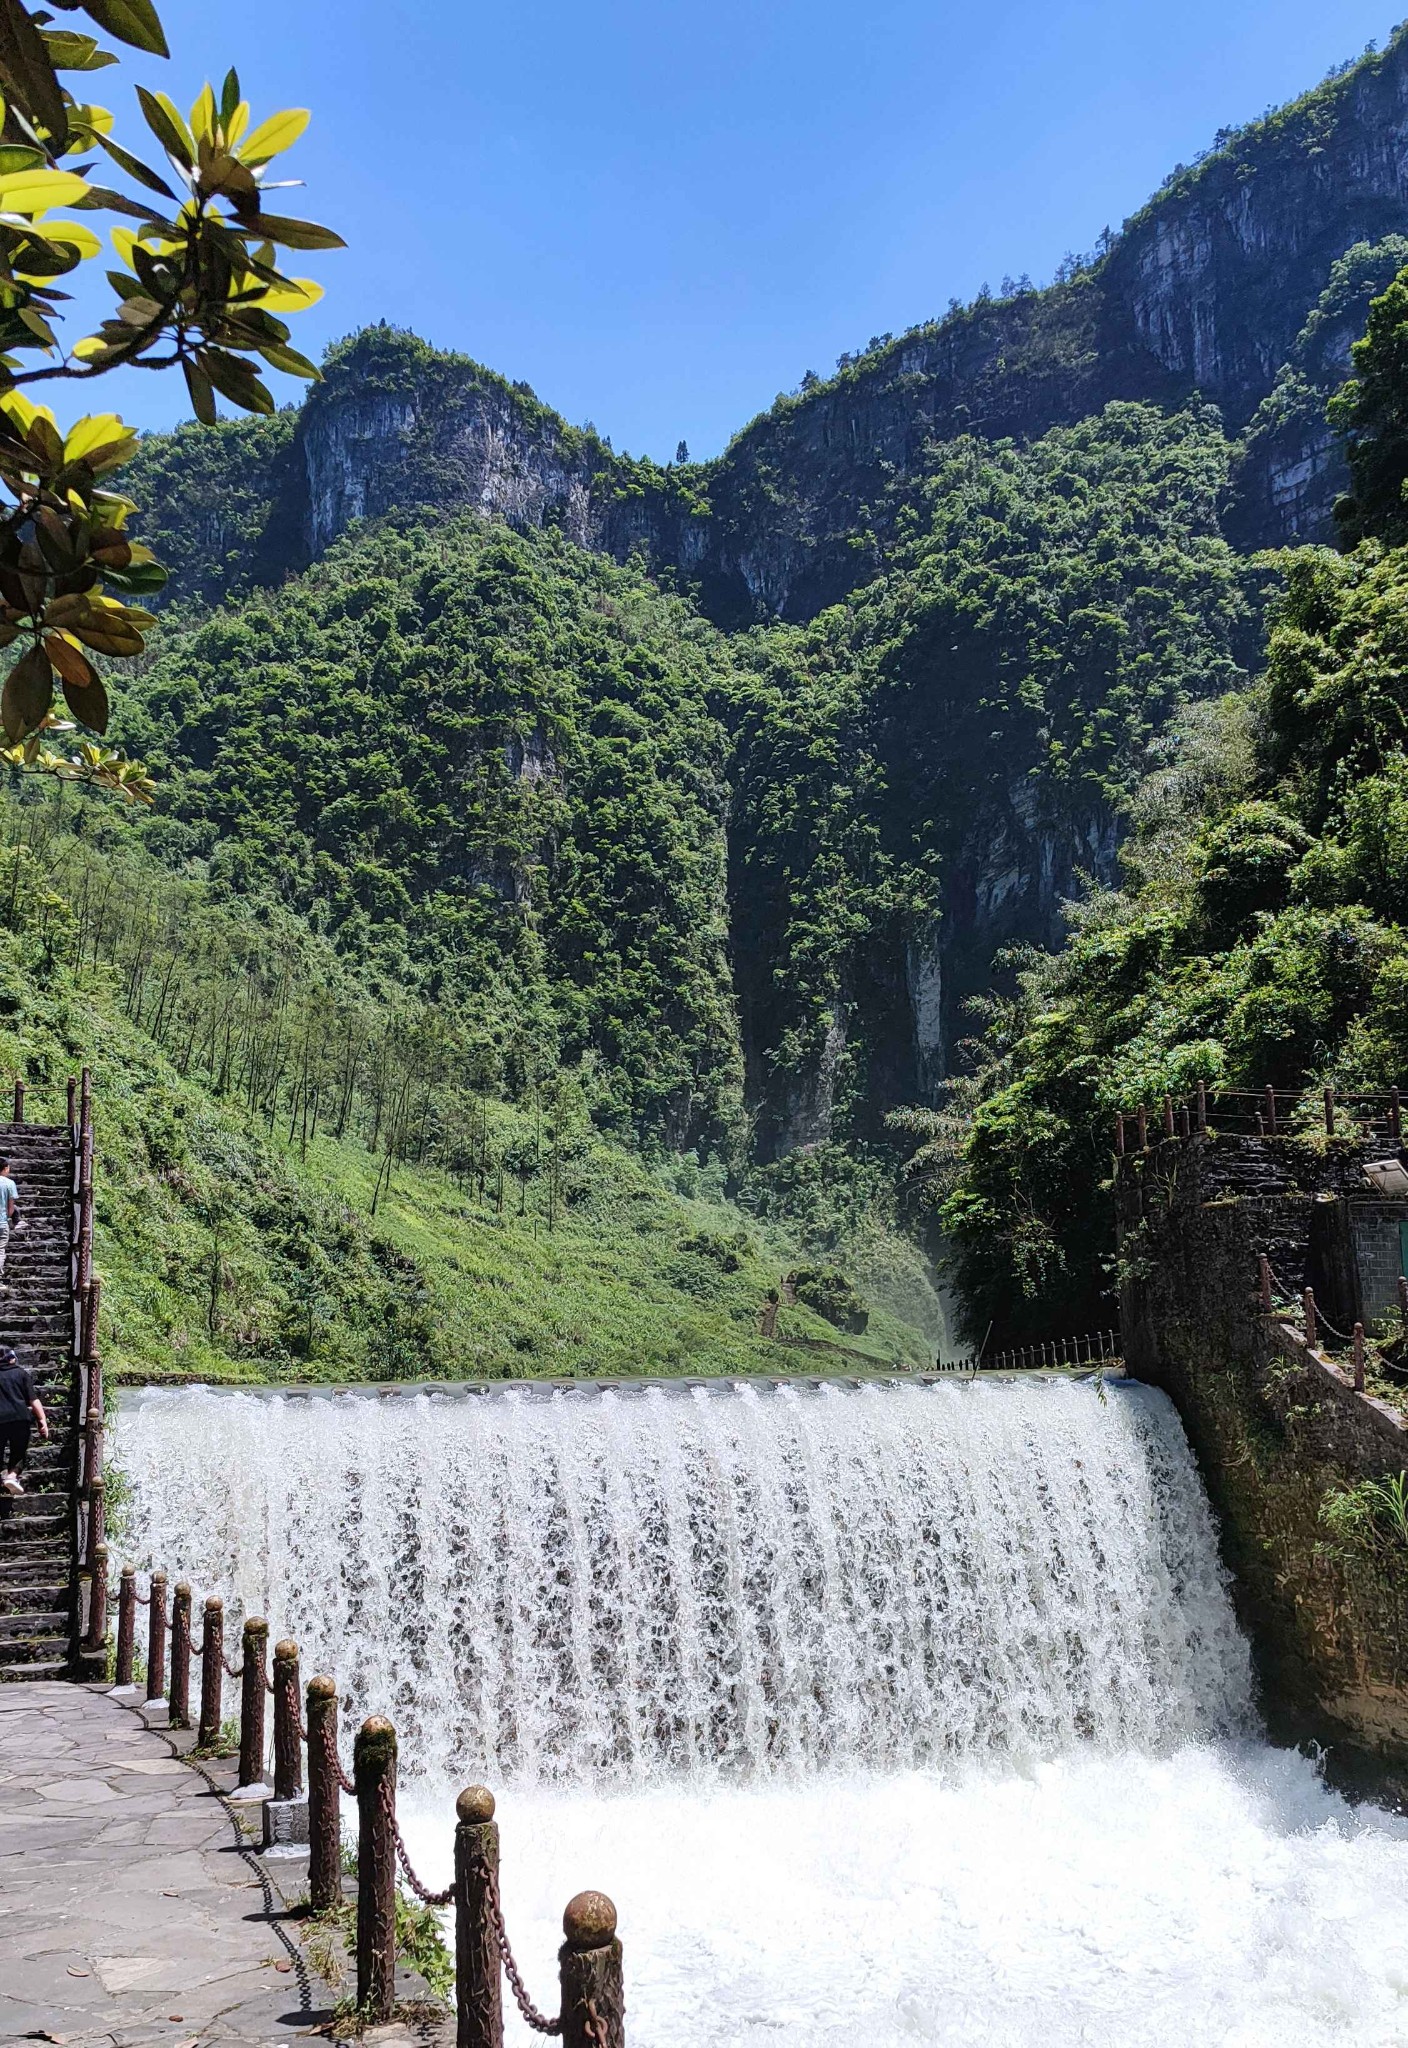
(97, 1599)
(1329, 1112)
(1357, 1353)
(288, 1748)
(1143, 1128)
(19, 1102)
(1202, 1107)
(479, 2004)
(156, 1636)
(1263, 1267)
(1270, 1094)
(93, 1448)
(1395, 1117)
(72, 1100)
(1403, 1298)
(1168, 1116)
(374, 1774)
(324, 1797)
(212, 1673)
(1308, 1299)
(126, 1624)
(1185, 1128)
(179, 1696)
(589, 1966)
(256, 1643)
(1119, 1136)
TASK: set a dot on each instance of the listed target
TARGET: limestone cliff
(1209, 288)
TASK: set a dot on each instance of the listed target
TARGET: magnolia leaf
(275, 135)
(229, 98)
(203, 115)
(141, 579)
(135, 168)
(295, 296)
(131, 21)
(33, 191)
(166, 125)
(296, 234)
(28, 693)
(290, 362)
(102, 441)
(202, 392)
(70, 661)
(26, 72)
(69, 51)
(107, 637)
(235, 380)
(89, 703)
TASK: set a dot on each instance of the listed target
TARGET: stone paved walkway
(128, 1913)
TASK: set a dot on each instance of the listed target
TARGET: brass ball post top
(475, 1804)
(322, 1687)
(255, 1627)
(377, 1724)
(129, 1571)
(590, 1920)
(214, 1604)
(183, 1589)
(286, 1652)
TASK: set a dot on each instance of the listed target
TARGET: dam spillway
(611, 1586)
(894, 1713)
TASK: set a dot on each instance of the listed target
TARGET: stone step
(33, 1623)
(38, 1671)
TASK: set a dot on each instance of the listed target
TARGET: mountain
(726, 788)
(1209, 289)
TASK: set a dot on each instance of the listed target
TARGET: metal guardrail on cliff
(1099, 1348)
(1263, 1113)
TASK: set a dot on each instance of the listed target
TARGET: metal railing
(1262, 1112)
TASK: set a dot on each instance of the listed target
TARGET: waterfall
(628, 1586)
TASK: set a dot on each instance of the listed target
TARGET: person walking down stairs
(20, 1407)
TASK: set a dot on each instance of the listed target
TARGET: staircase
(39, 1532)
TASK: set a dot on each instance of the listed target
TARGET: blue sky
(661, 215)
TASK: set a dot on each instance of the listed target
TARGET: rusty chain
(538, 2021)
(334, 1762)
(428, 1898)
(596, 2026)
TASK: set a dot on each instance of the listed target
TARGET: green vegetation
(1368, 1522)
(398, 1226)
(1261, 934)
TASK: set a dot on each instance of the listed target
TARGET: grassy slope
(223, 1253)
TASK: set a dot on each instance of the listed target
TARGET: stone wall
(1278, 1431)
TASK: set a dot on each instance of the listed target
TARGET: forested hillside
(1261, 932)
(495, 831)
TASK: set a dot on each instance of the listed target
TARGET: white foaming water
(889, 1715)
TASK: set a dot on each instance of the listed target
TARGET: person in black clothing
(19, 1402)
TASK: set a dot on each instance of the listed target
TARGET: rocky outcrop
(1208, 289)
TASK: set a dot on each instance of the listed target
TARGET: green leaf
(290, 361)
(89, 706)
(275, 135)
(295, 234)
(135, 168)
(131, 21)
(34, 191)
(71, 52)
(26, 72)
(202, 392)
(229, 96)
(141, 579)
(28, 693)
(166, 125)
(235, 380)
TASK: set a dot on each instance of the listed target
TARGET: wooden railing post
(1395, 1117)
(1119, 1136)
(97, 1599)
(1403, 1298)
(1263, 1269)
(479, 2006)
(178, 1698)
(324, 1797)
(590, 1969)
(1308, 1301)
(1168, 1116)
(72, 1101)
(374, 1774)
(212, 1673)
(126, 1625)
(256, 1644)
(1143, 1128)
(19, 1102)
(1270, 1109)
(288, 1747)
(1357, 1354)
(1329, 1112)
(156, 1636)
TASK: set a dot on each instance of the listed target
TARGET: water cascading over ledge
(627, 1585)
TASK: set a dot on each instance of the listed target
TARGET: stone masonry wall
(1277, 1431)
